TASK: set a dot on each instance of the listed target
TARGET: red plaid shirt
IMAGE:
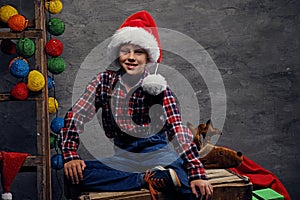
(98, 94)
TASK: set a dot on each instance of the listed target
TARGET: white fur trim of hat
(137, 36)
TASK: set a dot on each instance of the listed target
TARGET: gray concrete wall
(253, 43)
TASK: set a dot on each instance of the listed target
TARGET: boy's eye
(136, 51)
(139, 51)
(124, 51)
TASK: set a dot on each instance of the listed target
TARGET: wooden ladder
(41, 161)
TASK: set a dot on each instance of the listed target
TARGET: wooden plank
(43, 128)
(227, 186)
(33, 161)
(35, 33)
(138, 195)
(222, 180)
(7, 97)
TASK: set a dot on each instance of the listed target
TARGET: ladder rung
(8, 97)
(32, 161)
(34, 33)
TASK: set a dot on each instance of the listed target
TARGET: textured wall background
(255, 45)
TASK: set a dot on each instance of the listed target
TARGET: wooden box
(229, 186)
(226, 184)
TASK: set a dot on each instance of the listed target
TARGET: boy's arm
(81, 112)
(182, 138)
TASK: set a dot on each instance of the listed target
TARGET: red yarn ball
(20, 91)
(54, 47)
(8, 46)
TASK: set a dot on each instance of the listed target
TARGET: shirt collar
(121, 71)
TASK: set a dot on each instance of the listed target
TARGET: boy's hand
(204, 186)
(73, 170)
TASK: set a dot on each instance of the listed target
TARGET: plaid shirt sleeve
(81, 112)
(182, 138)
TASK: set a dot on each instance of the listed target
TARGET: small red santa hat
(140, 29)
(11, 164)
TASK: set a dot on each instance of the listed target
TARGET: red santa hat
(140, 29)
(11, 164)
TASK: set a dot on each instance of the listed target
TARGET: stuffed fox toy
(213, 157)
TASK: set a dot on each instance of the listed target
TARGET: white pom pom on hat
(140, 29)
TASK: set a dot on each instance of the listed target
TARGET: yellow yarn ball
(54, 6)
(52, 105)
(36, 81)
(6, 12)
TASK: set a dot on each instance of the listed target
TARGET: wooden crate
(226, 184)
(229, 186)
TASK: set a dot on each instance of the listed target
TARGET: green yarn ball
(56, 65)
(25, 47)
(55, 26)
(53, 140)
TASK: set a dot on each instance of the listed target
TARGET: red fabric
(11, 164)
(260, 177)
(144, 20)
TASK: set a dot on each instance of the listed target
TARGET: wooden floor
(226, 184)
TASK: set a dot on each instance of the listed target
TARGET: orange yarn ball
(17, 23)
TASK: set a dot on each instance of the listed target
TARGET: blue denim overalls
(124, 171)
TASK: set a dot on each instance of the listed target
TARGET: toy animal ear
(192, 128)
(208, 122)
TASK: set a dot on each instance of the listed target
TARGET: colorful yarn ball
(55, 26)
(50, 82)
(53, 140)
(54, 6)
(36, 81)
(25, 47)
(17, 23)
(52, 105)
(6, 12)
(56, 65)
(57, 162)
(56, 124)
(8, 46)
(54, 47)
(20, 91)
(19, 67)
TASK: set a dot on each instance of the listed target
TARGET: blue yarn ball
(56, 124)
(50, 83)
(19, 68)
(57, 161)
